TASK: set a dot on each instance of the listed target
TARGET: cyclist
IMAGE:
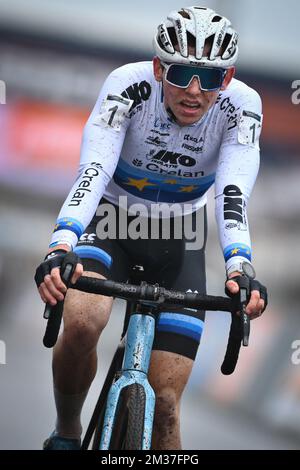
(160, 134)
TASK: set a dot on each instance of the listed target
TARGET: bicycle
(123, 416)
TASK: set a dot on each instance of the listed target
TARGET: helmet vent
(216, 19)
(184, 14)
(208, 44)
(226, 43)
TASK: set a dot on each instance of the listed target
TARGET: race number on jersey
(113, 111)
(250, 128)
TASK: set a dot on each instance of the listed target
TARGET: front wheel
(128, 427)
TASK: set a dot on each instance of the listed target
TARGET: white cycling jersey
(132, 146)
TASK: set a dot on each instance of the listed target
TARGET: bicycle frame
(138, 347)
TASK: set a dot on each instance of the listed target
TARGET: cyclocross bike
(123, 416)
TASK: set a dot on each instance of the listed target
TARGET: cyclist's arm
(235, 177)
(236, 174)
(102, 143)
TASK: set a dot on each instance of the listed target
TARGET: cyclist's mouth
(189, 107)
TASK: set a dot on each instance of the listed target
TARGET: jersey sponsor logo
(97, 165)
(84, 186)
(172, 159)
(233, 204)
(163, 126)
(136, 162)
(88, 237)
(174, 172)
(162, 134)
(237, 225)
(192, 149)
(138, 92)
(170, 170)
(155, 140)
(230, 110)
(193, 140)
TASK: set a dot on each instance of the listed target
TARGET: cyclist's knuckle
(55, 274)
(47, 279)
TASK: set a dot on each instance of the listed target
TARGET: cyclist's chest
(155, 145)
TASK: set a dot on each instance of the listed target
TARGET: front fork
(139, 341)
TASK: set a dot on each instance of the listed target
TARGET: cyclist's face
(191, 103)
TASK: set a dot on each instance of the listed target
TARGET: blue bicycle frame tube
(139, 341)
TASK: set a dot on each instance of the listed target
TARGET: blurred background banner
(54, 57)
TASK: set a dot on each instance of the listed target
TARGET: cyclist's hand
(47, 276)
(259, 297)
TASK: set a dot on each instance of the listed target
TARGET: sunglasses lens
(181, 75)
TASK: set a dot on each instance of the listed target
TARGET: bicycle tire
(98, 432)
(99, 426)
(128, 427)
(94, 430)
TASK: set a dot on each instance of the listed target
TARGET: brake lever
(245, 318)
(53, 314)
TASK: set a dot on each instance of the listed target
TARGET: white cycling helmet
(205, 26)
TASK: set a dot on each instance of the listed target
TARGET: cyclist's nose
(194, 86)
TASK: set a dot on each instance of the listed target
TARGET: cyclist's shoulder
(240, 95)
(138, 71)
(134, 80)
